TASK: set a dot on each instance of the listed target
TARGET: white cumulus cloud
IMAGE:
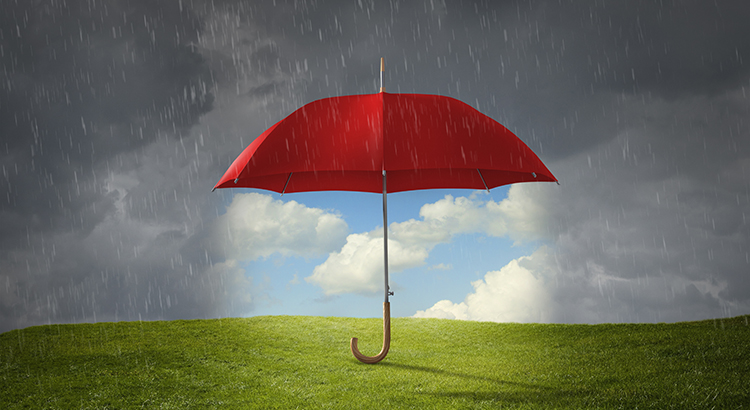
(256, 226)
(516, 293)
(358, 266)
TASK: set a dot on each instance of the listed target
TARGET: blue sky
(117, 118)
(448, 271)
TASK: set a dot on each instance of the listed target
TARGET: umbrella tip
(382, 70)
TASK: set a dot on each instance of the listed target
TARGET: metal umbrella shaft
(385, 240)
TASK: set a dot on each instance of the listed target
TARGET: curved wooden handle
(386, 339)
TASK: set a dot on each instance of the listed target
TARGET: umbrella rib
(480, 176)
(287, 183)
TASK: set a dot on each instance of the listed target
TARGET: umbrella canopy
(422, 141)
(357, 142)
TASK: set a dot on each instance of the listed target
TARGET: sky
(118, 117)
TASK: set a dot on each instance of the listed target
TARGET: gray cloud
(88, 90)
(83, 84)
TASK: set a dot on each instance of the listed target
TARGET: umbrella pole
(386, 305)
(385, 241)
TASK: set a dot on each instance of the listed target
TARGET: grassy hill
(304, 362)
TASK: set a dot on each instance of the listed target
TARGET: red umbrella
(351, 143)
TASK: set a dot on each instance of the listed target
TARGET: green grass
(304, 362)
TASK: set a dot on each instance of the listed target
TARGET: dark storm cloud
(83, 82)
(662, 208)
(84, 88)
(674, 48)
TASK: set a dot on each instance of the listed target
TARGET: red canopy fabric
(422, 141)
